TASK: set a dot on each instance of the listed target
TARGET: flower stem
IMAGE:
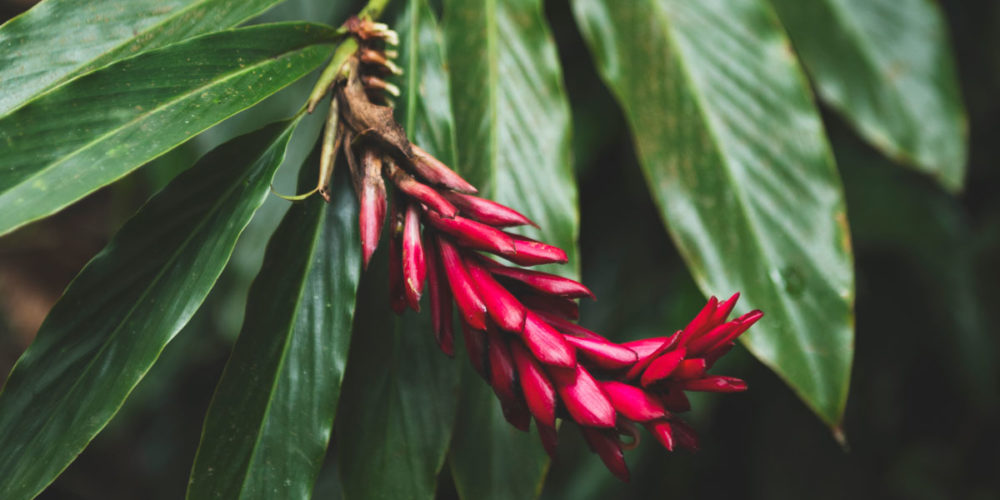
(333, 71)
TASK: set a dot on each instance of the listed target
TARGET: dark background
(922, 419)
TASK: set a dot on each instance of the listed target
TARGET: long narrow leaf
(735, 155)
(118, 314)
(887, 66)
(59, 39)
(267, 429)
(101, 126)
(513, 129)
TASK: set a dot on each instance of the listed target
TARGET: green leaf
(513, 135)
(103, 125)
(270, 442)
(117, 315)
(735, 156)
(887, 66)
(401, 392)
(400, 395)
(490, 459)
(59, 39)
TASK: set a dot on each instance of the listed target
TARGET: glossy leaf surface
(116, 317)
(886, 65)
(513, 135)
(736, 158)
(92, 131)
(59, 39)
(401, 393)
(266, 432)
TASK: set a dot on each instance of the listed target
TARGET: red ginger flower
(517, 322)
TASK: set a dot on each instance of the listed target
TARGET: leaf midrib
(289, 329)
(740, 197)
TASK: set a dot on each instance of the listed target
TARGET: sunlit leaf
(59, 39)
(94, 130)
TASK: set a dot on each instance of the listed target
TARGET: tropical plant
(455, 121)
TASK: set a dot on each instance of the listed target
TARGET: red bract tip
(440, 299)
(538, 390)
(742, 324)
(548, 345)
(662, 366)
(549, 437)
(487, 212)
(717, 335)
(549, 284)
(583, 398)
(436, 172)
(475, 347)
(633, 403)
(663, 432)
(414, 267)
(372, 205)
(700, 322)
(722, 311)
(684, 435)
(607, 446)
(715, 384)
(472, 234)
(469, 304)
(528, 252)
(604, 354)
(420, 192)
(502, 379)
(505, 310)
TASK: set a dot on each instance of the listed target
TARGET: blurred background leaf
(887, 65)
(735, 156)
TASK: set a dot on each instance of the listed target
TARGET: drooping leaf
(513, 136)
(401, 394)
(887, 66)
(117, 315)
(59, 39)
(267, 429)
(101, 126)
(736, 157)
